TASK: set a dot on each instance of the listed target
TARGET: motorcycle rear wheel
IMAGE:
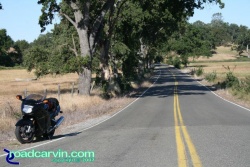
(22, 136)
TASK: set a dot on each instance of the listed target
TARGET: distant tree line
(11, 53)
(118, 39)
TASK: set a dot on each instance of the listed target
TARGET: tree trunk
(84, 83)
(87, 41)
(105, 60)
(81, 25)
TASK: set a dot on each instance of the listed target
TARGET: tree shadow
(165, 85)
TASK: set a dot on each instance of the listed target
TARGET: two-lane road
(177, 122)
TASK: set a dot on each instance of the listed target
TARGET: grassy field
(240, 66)
(224, 57)
(76, 109)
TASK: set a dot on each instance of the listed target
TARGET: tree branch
(69, 19)
(73, 49)
(99, 19)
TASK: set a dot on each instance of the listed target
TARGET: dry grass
(222, 53)
(215, 63)
(240, 69)
(76, 109)
(9, 85)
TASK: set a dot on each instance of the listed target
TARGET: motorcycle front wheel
(24, 134)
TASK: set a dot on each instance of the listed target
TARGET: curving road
(177, 122)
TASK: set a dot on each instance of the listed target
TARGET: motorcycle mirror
(19, 97)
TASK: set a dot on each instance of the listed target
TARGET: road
(176, 123)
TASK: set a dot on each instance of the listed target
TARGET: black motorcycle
(38, 118)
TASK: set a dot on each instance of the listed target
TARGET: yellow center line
(182, 160)
(180, 127)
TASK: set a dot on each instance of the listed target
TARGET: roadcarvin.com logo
(58, 156)
(10, 157)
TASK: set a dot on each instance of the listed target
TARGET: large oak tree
(88, 18)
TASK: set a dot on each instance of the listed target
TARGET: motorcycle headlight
(27, 109)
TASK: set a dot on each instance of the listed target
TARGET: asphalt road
(177, 122)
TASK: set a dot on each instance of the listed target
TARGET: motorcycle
(38, 118)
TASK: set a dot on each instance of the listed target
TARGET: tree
(243, 39)
(22, 44)
(219, 30)
(192, 43)
(88, 18)
(217, 19)
(8, 54)
(233, 31)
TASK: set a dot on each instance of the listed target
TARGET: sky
(20, 17)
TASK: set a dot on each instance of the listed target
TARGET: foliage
(177, 62)
(211, 77)
(193, 42)
(37, 58)
(247, 84)
(231, 80)
(199, 71)
(10, 54)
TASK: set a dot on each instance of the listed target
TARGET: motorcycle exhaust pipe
(58, 122)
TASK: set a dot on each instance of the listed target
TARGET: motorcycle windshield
(35, 97)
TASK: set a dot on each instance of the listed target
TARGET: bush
(247, 82)
(177, 62)
(231, 80)
(199, 71)
(211, 77)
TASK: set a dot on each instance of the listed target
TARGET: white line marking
(223, 98)
(215, 93)
(126, 106)
(94, 124)
(36, 145)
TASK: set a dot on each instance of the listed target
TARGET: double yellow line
(182, 136)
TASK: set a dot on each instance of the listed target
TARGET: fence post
(45, 93)
(25, 93)
(72, 90)
(59, 92)
(93, 84)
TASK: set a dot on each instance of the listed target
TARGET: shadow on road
(164, 86)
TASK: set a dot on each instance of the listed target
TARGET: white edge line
(126, 106)
(223, 98)
(36, 145)
(214, 92)
(94, 124)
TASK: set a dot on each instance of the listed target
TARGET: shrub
(247, 82)
(211, 77)
(177, 62)
(231, 80)
(199, 71)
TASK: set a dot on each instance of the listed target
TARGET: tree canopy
(119, 39)
(97, 24)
